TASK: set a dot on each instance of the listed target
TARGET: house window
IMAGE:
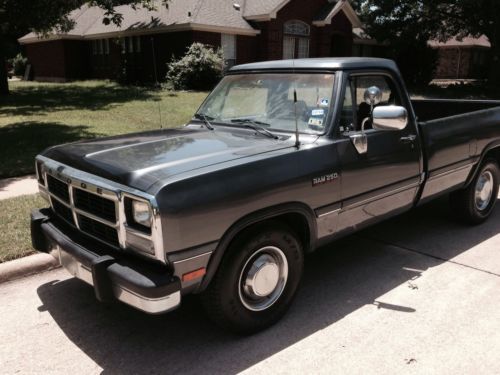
(288, 47)
(130, 43)
(106, 46)
(228, 43)
(94, 47)
(297, 28)
(296, 40)
(137, 46)
(123, 45)
(100, 46)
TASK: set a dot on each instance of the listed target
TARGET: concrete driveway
(418, 294)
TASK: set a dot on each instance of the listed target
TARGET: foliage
(43, 16)
(200, 69)
(416, 60)
(19, 64)
(401, 22)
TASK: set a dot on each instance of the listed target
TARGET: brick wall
(58, 60)
(246, 49)
(47, 60)
(140, 66)
(270, 41)
(453, 63)
(463, 63)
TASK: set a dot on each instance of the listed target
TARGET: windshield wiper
(262, 131)
(205, 119)
(249, 121)
(253, 124)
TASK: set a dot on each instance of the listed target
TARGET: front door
(385, 180)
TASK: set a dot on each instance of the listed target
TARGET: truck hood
(143, 159)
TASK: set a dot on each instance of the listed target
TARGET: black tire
(470, 208)
(225, 298)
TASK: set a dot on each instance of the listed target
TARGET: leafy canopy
(440, 19)
(21, 16)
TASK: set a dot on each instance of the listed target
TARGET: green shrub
(200, 69)
(19, 64)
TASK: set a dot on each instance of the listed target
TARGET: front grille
(58, 188)
(87, 204)
(99, 230)
(63, 211)
(94, 204)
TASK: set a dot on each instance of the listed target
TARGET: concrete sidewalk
(17, 186)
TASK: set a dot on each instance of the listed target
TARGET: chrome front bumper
(147, 287)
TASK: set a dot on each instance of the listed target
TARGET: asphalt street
(416, 294)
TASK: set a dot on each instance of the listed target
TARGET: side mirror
(390, 117)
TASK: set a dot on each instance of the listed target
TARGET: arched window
(296, 39)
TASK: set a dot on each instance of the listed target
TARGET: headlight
(141, 213)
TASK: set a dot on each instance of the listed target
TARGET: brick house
(462, 59)
(247, 31)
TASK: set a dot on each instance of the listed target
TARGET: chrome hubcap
(263, 278)
(484, 190)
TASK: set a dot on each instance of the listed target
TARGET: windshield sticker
(315, 121)
(324, 102)
(318, 112)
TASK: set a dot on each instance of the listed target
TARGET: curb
(27, 266)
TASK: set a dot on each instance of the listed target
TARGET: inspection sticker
(324, 102)
(315, 121)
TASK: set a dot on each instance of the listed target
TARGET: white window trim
(228, 44)
(289, 26)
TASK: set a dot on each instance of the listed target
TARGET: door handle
(408, 139)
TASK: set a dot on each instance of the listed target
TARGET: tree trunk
(4, 83)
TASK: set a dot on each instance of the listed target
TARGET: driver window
(359, 110)
(390, 96)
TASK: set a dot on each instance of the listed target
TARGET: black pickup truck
(281, 158)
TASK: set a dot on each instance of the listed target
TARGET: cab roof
(323, 63)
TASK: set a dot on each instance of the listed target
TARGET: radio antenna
(297, 141)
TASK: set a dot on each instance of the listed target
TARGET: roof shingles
(218, 13)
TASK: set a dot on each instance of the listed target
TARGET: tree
(399, 21)
(18, 17)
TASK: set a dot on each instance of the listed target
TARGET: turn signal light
(194, 274)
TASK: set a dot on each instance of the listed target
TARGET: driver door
(384, 180)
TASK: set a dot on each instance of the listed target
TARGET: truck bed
(434, 109)
(454, 135)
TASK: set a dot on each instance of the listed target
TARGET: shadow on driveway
(338, 280)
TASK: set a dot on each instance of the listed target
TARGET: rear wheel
(256, 281)
(476, 203)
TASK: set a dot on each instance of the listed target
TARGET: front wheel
(476, 203)
(256, 281)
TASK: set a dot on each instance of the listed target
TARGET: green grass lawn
(39, 115)
(15, 239)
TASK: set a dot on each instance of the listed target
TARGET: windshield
(267, 100)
